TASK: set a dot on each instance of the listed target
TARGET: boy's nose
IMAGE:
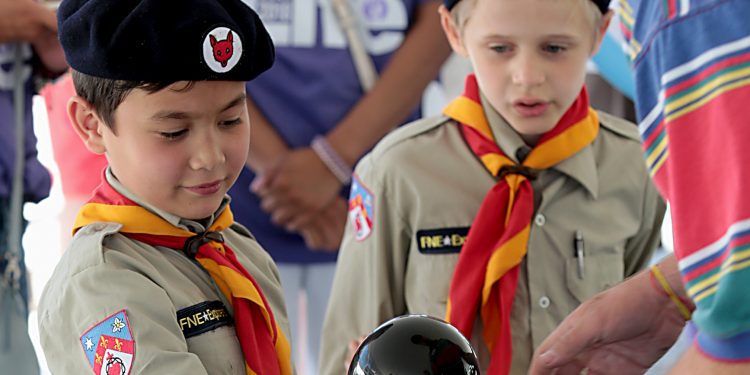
(528, 72)
(207, 155)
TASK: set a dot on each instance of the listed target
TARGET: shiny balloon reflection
(415, 345)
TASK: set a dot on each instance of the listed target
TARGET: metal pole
(363, 64)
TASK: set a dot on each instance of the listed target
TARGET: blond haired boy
(516, 206)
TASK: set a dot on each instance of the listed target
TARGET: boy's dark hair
(105, 95)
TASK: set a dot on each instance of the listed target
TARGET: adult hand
(325, 231)
(296, 188)
(623, 330)
(26, 21)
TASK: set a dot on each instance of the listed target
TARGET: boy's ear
(452, 32)
(86, 124)
(606, 19)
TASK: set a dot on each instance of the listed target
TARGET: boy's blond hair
(461, 12)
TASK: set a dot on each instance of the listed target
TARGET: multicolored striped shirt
(692, 73)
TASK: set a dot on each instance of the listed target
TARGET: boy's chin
(199, 215)
(196, 213)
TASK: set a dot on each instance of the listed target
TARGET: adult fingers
(301, 220)
(312, 236)
(284, 214)
(274, 201)
(575, 335)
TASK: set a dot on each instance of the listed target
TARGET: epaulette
(241, 229)
(409, 131)
(619, 126)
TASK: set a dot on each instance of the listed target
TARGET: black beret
(602, 4)
(164, 40)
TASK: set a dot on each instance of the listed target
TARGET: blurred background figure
(80, 169)
(28, 50)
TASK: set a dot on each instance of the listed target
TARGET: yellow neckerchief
(264, 347)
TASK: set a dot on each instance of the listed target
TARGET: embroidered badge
(360, 209)
(109, 345)
(203, 317)
(222, 49)
(441, 241)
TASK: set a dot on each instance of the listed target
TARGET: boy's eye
(500, 48)
(554, 48)
(173, 135)
(232, 122)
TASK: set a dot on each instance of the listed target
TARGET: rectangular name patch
(441, 241)
(203, 317)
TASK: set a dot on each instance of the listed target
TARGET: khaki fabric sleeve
(368, 287)
(639, 249)
(96, 293)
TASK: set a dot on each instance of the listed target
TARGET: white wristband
(331, 159)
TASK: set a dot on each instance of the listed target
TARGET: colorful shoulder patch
(361, 211)
(109, 345)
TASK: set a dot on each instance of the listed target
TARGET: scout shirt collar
(580, 167)
(187, 224)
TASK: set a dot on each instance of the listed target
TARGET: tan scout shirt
(427, 187)
(103, 272)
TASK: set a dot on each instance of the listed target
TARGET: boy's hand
(623, 330)
(324, 233)
(296, 188)
(26, 21)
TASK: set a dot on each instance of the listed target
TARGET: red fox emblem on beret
(222, 49)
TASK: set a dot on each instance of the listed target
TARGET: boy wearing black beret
(158, 277)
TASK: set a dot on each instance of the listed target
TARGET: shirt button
(544, 302)
(539, 220)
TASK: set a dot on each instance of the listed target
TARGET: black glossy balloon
(415, 345)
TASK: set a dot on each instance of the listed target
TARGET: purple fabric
(309, 89)
(36, 178)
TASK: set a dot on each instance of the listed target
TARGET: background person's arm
(398, 90)
(25, 21)
(31, 22)
(266, 145)
(623, 330)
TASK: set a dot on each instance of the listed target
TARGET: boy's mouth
(205, 189)
(530, 107)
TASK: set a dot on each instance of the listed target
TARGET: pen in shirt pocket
(579, 252)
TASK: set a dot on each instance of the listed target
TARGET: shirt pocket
(601, 270)
(219, 351)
